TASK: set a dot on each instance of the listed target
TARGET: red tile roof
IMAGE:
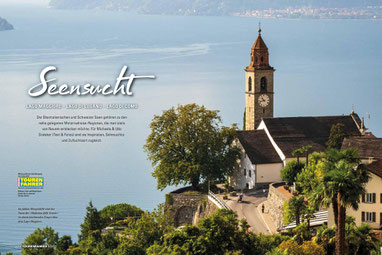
(376, 168)
(259, 44)
(367, 146)
(258, 147)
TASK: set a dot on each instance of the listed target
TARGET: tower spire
(259, 53)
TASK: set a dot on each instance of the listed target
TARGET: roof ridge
(363, 137)
(256, 130)
(289, 137)
(295, 117)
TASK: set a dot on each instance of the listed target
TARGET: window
(369, 198)
(262, 59)
(249, 84)
(256, 59)
(263, 84)
(368, 216)
(381, 198)
(249, 173)
(245, 172)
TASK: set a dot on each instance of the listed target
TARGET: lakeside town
(299, 9)
(370, 12)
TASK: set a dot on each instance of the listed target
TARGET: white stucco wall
(238, 181)
(268, 172)
(373, 186)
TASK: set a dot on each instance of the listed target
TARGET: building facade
(267, 143)
(259, 88)
(370, 206)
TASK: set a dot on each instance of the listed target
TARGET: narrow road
(248, 209)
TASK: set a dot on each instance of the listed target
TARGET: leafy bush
(113, 213)
(307, 248)
(290, 171)
(169, 199)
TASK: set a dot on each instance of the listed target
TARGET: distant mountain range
(217, 7)
(5, 25)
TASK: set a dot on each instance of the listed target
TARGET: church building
(267, 142)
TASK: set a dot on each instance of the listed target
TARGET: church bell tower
(258, 85)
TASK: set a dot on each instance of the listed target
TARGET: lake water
(323, 67)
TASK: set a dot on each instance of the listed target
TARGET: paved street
(248, 209)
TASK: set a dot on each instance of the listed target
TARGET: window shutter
(363, 216)
(374, 197)
(374, 217)
(363, 198)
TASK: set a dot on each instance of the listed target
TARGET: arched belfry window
(249, 84)
(263, 84)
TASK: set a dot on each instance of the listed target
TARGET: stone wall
(205, 208)
(275, 202)
(184, 207)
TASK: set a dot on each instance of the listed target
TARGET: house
(370, 207)
(369, 147)
(259, 164)
(266, 150)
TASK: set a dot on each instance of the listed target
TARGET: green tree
(270, 242)
(307, 150)
(187, 145)
(114, 213)
(46, 237)
(127, 248)
(310, 176)
(290, 171)
(64, 243)
(294, 209)
(326, 237)
(92, 222)
(244, 119)
(99, 244)
(145, 231)
(342, 185)
(297, 153)
(108, 243)
(218, 234)
(336, 137)
(360, 239)
(307, 248)
(96, 243)
(301, 233)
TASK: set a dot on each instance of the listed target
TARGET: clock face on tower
(263, 100)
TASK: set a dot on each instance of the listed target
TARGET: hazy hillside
(206, 7)
(4, 25)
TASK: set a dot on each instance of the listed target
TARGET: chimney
(363, 129)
